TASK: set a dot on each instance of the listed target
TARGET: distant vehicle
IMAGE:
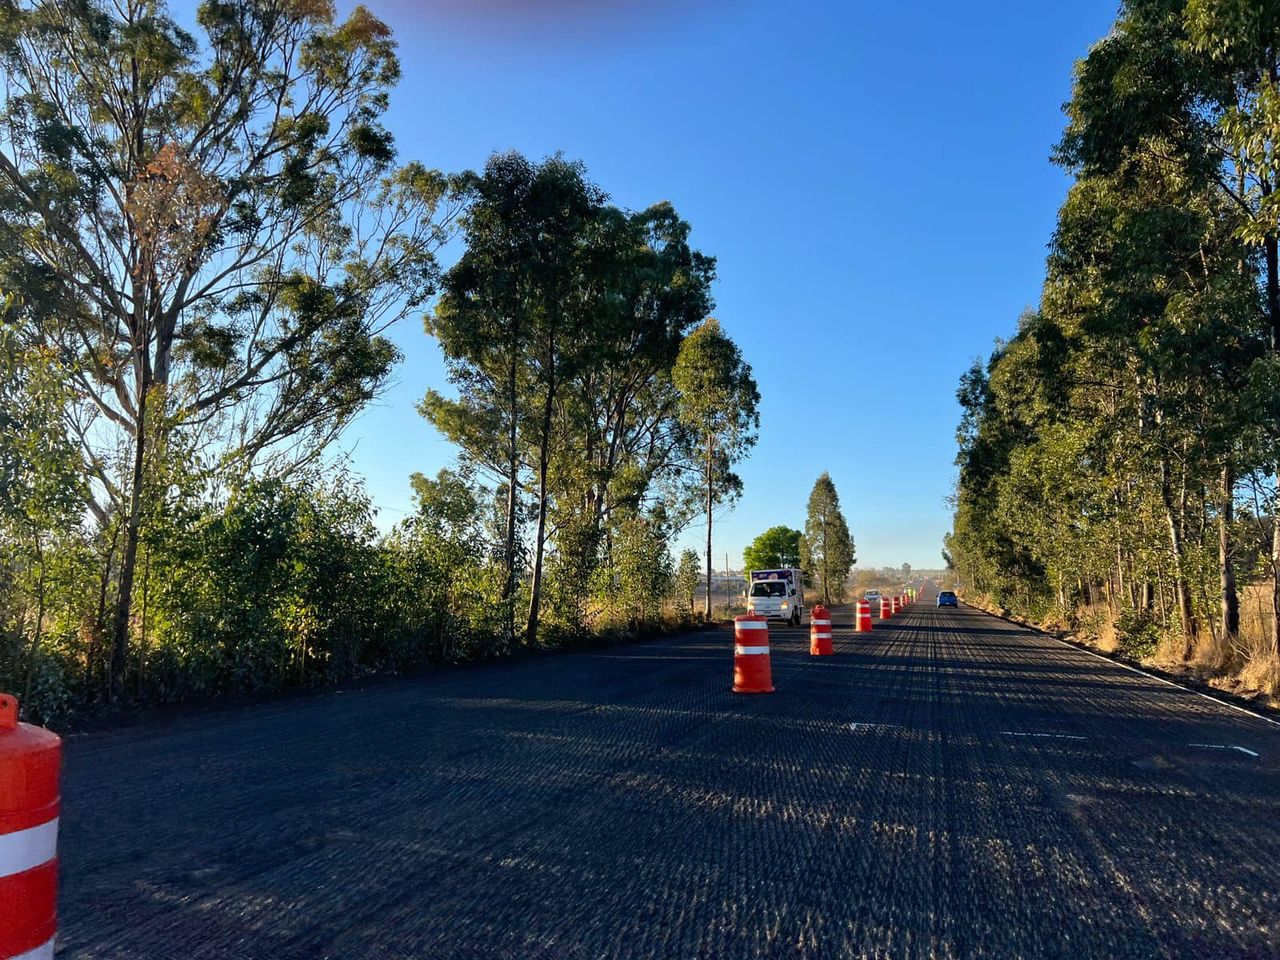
(777, 595)
(947, 598)
(872, 597)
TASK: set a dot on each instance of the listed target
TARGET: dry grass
(1263, 674)
(1243, 666)
(1108, 641)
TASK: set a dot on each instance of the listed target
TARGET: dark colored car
(947, 598)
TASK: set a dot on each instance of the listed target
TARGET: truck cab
(776, 595)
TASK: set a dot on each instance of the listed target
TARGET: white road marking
(1224, 746)
(1051, 736)
(872, 726)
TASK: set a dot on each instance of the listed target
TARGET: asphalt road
(947, 786)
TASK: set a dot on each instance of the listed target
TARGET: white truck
(777, 594)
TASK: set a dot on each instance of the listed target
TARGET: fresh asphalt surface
(948, 786)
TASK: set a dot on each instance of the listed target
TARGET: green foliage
(1101, 446)
(719, 406)
(828, 550)
(1138, 633)
(560, 325)
(719, 399)
(206, 233)
(198, 279)
(685, 584)
(638, 577)
(776, 548)
(283, 584)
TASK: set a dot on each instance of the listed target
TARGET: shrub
(1138, 634)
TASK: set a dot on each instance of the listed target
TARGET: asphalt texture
(948, 786)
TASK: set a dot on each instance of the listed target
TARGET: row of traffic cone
(752, 668)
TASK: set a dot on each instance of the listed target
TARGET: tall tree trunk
(544, 455)
(1181, 594)
(509, 544)
(33, 648)
(706, 610)
(100, 622)
(1226, 557)
(129, 558)
(1272, 255)
(1121, 585)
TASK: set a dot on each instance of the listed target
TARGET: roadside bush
(286, 583)
(1138, 634)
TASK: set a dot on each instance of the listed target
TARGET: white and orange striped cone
(820, 632)
(863, 623)
(30, 758)
(897, 604)
(752, 669)
(886, 608)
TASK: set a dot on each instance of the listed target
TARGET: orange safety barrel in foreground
(30, 758)
(886, 608)
(820, 632)
(863, 624)
(752, 672)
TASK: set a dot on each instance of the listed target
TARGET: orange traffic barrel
(30, 758)
(752, 671)
(863, 624)
(886, 608)
(820, 632)
(897, 604)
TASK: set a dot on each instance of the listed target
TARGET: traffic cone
(30, 758)
(820, 632)
(886, 608)
(897, 604)
(863, 624)
(752, 670)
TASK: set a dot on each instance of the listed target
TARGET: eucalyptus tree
(482, 326)
(1193, 85)
(216, 223)
(570, 269)
(513, 321)
(719, 404)
(627, 431)
(685, 581)
(827, 544)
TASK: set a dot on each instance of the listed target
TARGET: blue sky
(873, 179)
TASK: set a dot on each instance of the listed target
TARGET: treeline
(825, 550)
(203, 241)
(1118, 454)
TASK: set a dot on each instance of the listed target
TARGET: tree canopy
(1107, 448)
(827, 545)
(776, 548)
(719, 406)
